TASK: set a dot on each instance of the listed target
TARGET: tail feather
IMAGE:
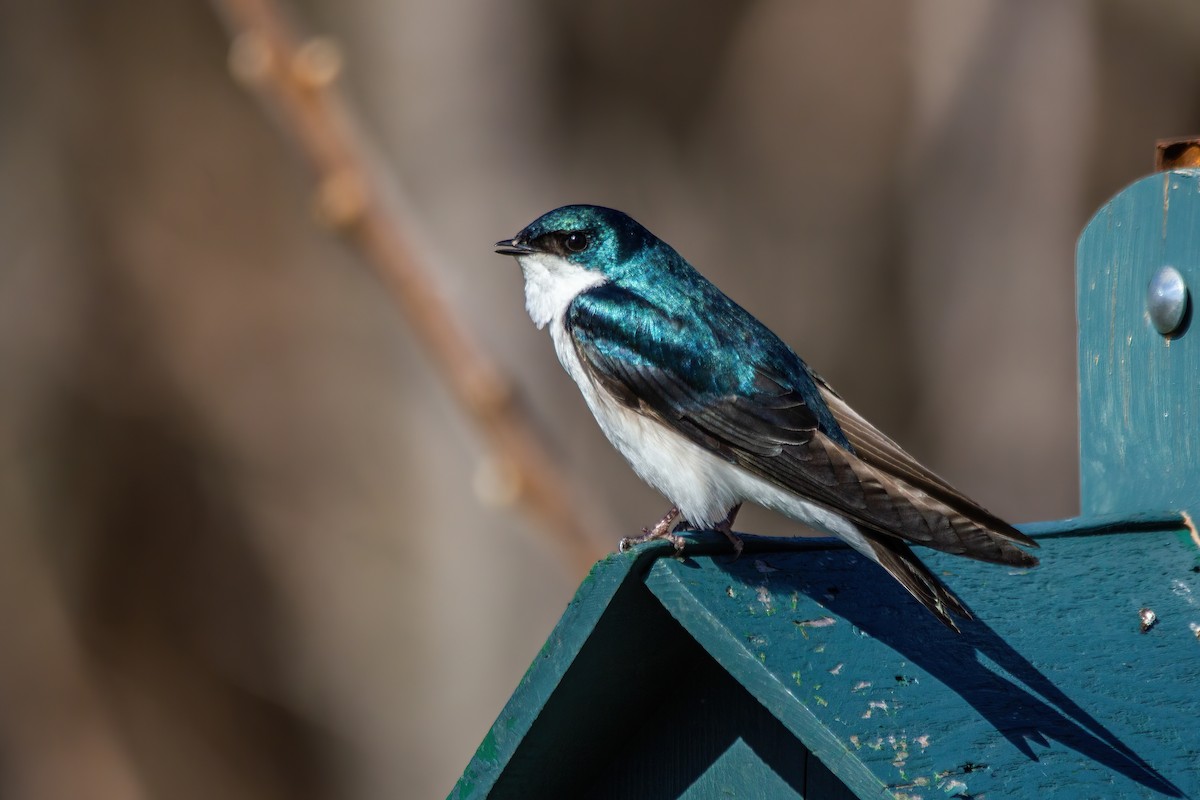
(899, 561)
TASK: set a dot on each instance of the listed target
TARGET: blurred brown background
(241, 551)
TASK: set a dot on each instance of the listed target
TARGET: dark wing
(681, 371)
(759, 407)
(731, 423)
(876, 449)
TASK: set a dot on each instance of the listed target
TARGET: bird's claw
(737, 547)
(725, 526)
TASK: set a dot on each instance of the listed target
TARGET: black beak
(509, 247)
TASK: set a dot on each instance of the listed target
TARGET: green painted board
(601, 710)
(1053, 685)
(1139, 410)
(719, 679)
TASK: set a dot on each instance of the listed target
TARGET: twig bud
(317, 63)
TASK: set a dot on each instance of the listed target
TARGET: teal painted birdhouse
(794, 672)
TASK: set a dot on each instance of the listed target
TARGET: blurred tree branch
(296, 79)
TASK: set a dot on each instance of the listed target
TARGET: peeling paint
(966, 768)
(900, 747)
(872, 707)
(757, 640)
(764, 597)
(837, 670)
(819, 622)
(860, 686)
(1181, 589)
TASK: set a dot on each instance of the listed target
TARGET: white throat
(551, 283)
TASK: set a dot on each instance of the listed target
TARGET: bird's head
(592, 237)
(574, 248)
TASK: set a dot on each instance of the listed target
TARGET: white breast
(551, 283)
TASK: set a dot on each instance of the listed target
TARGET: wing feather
(766, 412)
(878, 450)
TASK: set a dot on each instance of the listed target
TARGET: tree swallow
(712, 409)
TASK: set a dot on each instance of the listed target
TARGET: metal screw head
(1167, 300)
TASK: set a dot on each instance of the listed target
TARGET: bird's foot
(661, 530)
(737, 543)
(725, 526)
(665, 527)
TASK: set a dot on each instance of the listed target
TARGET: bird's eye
(576, 242)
